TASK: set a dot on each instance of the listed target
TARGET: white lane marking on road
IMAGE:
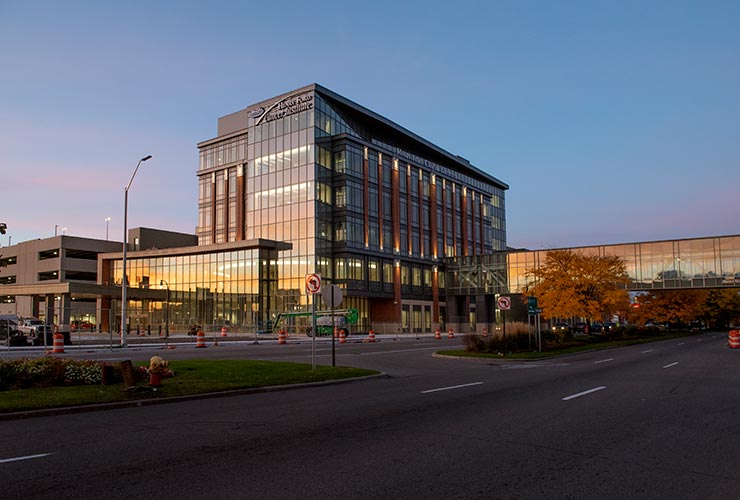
(672, 364)
(451, 387)
(578, 395)
(374, 353)
(603, 361)
(681, 343)
(27, 457)
(649, 350)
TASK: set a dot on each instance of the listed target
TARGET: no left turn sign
(313, 283)
(504, 303)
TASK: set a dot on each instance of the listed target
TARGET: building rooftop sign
(289, 105)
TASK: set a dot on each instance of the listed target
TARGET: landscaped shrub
(48, 371)
(514, 342)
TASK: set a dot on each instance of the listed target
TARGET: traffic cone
(733, 339)
(58, 347)
(371, 336)
(200, 340)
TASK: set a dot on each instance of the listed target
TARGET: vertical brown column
(452, 230)
(366, 198)
(420, 190)
(396, 210)
(473, 227)
(397, 291)
(409, 211)
(464, 222)
(433, 218)
(241, 207)
(444, 219)
(213, 208)
(226, 205)
(380, 200)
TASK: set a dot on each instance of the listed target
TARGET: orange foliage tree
(670, 306)
(572, 284)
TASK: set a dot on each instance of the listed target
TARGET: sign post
(531, 311)
(333, 295)
(504, 304)
(313, 286)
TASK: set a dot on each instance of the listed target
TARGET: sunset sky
(611, 121)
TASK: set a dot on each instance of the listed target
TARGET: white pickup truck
(28, 326)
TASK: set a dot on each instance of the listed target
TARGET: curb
(67, 410)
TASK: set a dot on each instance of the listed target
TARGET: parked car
(39, 332)
(28, 326)
(581, 327)
(597, 328)
(561, 328)
(609, 326)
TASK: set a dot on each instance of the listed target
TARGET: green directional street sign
(532, 305)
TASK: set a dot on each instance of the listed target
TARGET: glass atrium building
(369, 205)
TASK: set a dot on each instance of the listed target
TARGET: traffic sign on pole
(504, 303)
(313, 283)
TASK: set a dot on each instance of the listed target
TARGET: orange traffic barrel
(281, 337)
(733, 339)
(58, 347)
(223, 331)
(200, 340)
(371, 336)
(451, 334)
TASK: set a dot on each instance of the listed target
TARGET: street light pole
(124, 281)
(166, 313)
(107, 220)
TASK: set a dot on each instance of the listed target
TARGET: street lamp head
(146, 158)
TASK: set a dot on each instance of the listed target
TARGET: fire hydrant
(157, 368)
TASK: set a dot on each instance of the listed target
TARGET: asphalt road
(656, 421)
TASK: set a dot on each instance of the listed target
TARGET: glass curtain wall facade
(689, 263)
(370, 206)
(211, 289)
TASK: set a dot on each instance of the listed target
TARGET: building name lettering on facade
(285, 107)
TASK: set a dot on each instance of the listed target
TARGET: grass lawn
(191, 377)
(554, 351)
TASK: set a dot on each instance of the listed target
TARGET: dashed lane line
(584, 393)
(451, 387)
(27, 457)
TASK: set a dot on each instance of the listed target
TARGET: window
(9, 261)
(340, 197)
(387, 272)
(373, 273)
(49, 254)
(340, 162)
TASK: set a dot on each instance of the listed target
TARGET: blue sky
(611, 121)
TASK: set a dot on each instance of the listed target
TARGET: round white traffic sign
(504, 303)
(313, 283)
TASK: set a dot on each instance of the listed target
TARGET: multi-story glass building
(369, 205)
(712, 262)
